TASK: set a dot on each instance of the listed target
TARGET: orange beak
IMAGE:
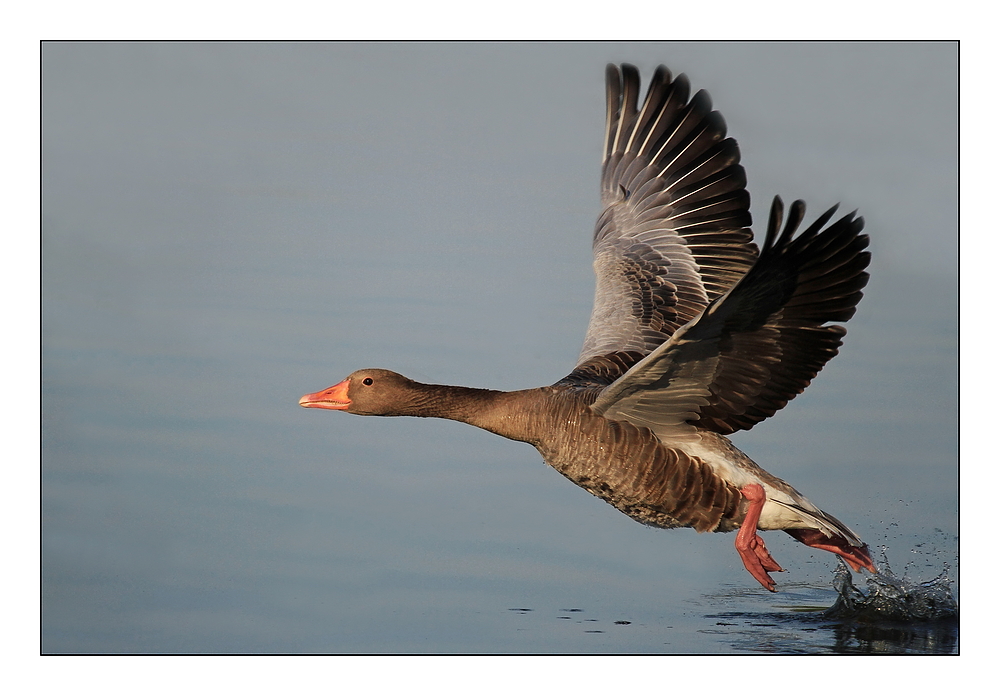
(334, 398)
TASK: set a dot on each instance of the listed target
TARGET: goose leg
(750, 546)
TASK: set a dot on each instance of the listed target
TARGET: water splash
(891, 598)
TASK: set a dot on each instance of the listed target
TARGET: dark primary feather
(798, 286)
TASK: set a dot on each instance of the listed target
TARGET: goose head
(368, 392)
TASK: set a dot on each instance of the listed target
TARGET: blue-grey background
(229, 226)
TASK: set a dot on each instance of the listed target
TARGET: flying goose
(695, 334)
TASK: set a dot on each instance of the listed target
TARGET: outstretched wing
(760, 344)
(672, 236)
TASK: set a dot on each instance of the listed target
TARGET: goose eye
(367, 381)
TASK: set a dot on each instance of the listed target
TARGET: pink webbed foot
(857, 557)
(750, 546)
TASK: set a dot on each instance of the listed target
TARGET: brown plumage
(694, 335)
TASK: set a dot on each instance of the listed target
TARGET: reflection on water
(932, 638)
(800, 632)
